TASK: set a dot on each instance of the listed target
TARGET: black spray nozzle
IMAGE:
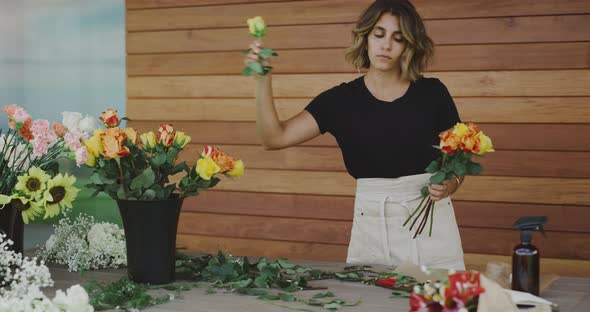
(529, 224)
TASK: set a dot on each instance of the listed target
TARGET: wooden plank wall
(519, 68)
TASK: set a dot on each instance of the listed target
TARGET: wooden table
(570, 293)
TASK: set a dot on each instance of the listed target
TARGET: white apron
(378, 237)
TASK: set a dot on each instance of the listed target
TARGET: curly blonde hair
(419, 49)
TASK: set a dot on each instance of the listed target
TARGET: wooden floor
(570, 293)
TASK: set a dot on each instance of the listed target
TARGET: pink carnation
(10, 109)
(72, 139)
(20, 115)
(81, 156)
(43, 136)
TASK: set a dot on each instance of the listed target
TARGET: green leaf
(148, 195)
(256, 67)
(285, 264)
(269, 297)
(121, 192)
(159, 191)
(460, 169)
(144, 180)
(179, 168)
(252, 291)
(433, 166)
(287, 297)
(400, 294)
(265, 53)
(332, 306)
(438, 178)
(247, 71)
(261, 281)
(474, 168)
(158, 160)
(323, 295)
(291, 272)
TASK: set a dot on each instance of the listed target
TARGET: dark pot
(150, 234)
(11, 224)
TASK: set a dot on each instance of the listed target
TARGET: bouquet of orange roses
(130, 166)
(457, 145)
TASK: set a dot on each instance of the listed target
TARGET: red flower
(387, 282)
(417, 303)
(110, 118)
(464, 286)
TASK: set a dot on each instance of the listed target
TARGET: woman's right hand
(252, 56)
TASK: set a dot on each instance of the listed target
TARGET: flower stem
(431, 218)
(414, 212)
(121, 176)
(419, 214)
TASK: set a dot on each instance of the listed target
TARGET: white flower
(83, 245)
(76, 300)
(88, 124)
(71, 120)
(50, 242)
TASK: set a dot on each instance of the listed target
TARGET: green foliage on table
(236, 274)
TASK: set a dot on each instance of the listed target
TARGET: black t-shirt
(382, 139)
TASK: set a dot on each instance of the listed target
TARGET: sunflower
(28, 208)
(33, 183)
(59, 195)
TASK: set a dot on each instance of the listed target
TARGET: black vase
(11, 224)
(150, 234)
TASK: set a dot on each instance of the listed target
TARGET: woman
(385, 123)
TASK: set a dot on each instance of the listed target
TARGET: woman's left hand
(440, 191)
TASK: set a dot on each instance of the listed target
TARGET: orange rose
(112, 141)
(226, 163)
(166, 134)
(449, 142)
(109, 118)
(470, 144)
(473, 128)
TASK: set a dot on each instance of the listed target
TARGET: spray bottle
(525, 256)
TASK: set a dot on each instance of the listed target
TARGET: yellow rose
(461, 130)
(93, 145)
(166, 134)
(131, 134)
(485, 144)
(238, 170)
(109, 118)
(148, 140)
(112, 141)
(181, 140)
(257, 26)
(91, 160)
(206, 168)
